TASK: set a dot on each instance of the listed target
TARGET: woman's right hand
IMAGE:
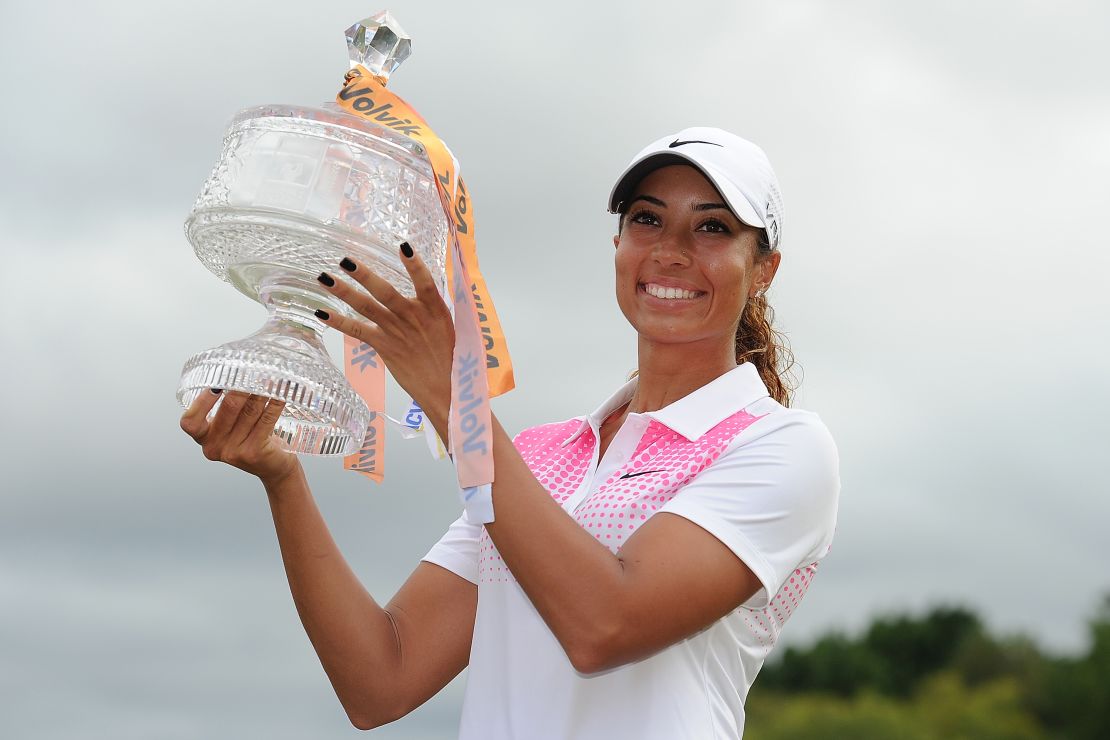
(241, 433)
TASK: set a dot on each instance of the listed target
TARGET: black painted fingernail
(326, 279)
(217, 391)
(406, 249)
(347, 264)
(322, 315)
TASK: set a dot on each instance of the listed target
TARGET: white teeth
(660, 292)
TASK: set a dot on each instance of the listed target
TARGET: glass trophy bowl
(294, 191)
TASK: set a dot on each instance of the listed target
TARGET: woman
(643, 557)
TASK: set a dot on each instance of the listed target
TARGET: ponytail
(760, 343)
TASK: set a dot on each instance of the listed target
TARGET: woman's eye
(644, 217)
(714, 226)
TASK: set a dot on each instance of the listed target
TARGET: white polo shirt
(761, 478)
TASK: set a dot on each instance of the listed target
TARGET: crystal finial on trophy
(378, 43)
(295, 190)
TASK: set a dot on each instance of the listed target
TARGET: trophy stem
(294, 300)
(286, 360)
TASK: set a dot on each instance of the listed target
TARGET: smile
(670, 294)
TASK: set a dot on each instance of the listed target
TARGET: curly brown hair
(760, 343)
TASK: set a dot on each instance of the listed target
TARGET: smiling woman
(685, 265)
(756, 340)
(645, 556)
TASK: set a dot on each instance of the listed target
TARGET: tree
(940, 676)
(891, 658)
(911, 649)
(1072, 695)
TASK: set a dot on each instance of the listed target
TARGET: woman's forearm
(354, 637)
(572, 579)
(569, 576)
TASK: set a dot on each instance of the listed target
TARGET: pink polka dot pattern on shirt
(661, 464)
(559, 469)
(766, 623)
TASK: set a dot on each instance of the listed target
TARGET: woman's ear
(765, 271)
(616, 240)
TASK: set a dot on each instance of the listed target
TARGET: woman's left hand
(415, 337)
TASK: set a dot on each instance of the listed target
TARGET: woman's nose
(671, 250)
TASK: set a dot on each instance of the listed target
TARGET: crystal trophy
(294, 191)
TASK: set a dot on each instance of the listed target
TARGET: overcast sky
(945, 166)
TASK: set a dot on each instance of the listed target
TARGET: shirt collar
(601, 413)
(695, 414)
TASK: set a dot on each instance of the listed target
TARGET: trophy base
(286, 360)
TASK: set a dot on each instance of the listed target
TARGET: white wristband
(477, 503)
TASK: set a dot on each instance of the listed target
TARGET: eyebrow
(649, 199)
(699, 207)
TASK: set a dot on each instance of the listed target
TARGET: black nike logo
(642, 472)
(676, 142)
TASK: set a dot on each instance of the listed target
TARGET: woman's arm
(671, 578)
(382, 662)
(738, 530)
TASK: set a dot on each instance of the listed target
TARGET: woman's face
(685, 264)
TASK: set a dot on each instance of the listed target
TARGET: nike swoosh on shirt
(676, 142)
(642, 472)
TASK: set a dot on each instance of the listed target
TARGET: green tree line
(941, 675)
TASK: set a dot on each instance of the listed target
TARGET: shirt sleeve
(771, 498)
(457, 550)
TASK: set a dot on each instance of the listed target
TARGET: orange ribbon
(477, 328)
